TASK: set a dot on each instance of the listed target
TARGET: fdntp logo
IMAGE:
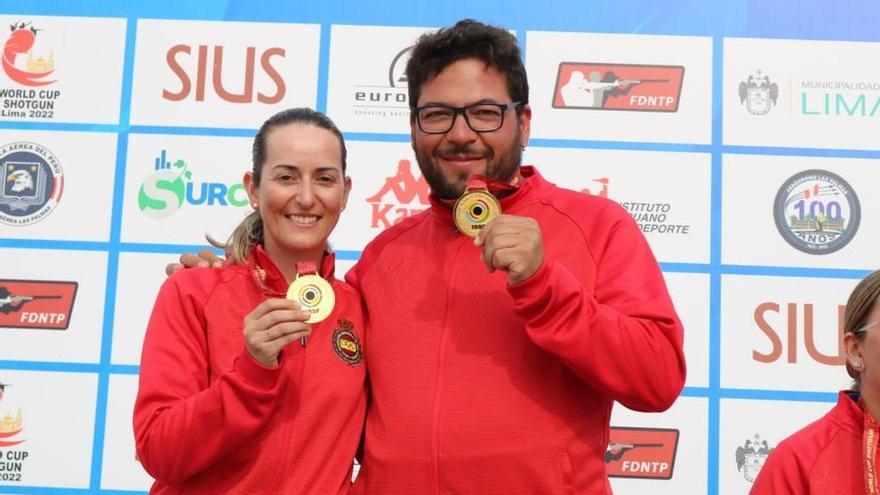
(647, 453)
(601, 86)
(170, 186)
(817, 212)
(36, 304)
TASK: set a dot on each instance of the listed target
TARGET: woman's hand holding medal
(271, 326)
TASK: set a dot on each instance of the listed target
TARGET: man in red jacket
(494, 362)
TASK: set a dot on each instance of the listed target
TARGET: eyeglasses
(480, 117)
(864, 328)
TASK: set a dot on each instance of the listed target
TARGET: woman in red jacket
(838, 453)
(238, 392)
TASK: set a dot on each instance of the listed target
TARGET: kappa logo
(36, 304)
(758, 94)
(346, 343)
(817, 212)
(647, 453)
(32, 183)
(406, 189)
(599, 86)
(37, 68)
(750, 457)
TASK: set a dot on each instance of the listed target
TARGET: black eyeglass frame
(504, 107)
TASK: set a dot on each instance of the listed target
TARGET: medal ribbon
(496, 187)
(306, 268)
(870, 437)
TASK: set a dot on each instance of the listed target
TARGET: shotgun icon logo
(646, 453)
(37, 304)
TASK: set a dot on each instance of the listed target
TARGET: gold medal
(312, 293)
(475, 208)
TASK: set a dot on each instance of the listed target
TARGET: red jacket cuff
(255, 373)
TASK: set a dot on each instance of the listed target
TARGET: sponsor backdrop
(741, 135)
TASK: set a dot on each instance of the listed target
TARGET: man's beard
(501, 168)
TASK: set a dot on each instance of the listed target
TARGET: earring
(856, 365)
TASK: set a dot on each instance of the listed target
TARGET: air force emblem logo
(32, 183)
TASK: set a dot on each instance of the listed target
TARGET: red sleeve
(624, 340)
(185, 420)
(781, 474)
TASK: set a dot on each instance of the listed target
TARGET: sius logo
(817, 212)
(406, 189)
(37, 68)
(596, 86)
(32, 183)
(750, 457)
(758, 94)
(181, 61)
(768, 312)
(647, 453)
(165, 191)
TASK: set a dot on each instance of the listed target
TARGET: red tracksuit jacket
(210, 419)
(481, 388)
(825, 458)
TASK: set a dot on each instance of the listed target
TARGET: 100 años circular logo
(817, 212)
(32, 183)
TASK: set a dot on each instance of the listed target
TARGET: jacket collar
(533, 183)
(273, 280)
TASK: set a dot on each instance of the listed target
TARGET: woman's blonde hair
(249, 232)
(858, 307)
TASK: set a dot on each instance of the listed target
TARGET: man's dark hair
(494, 46)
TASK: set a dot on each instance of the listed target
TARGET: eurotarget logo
(402, 196)
(391, 100)
(602, 86)
(32, 183)
(171, 186)
(817, 212)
